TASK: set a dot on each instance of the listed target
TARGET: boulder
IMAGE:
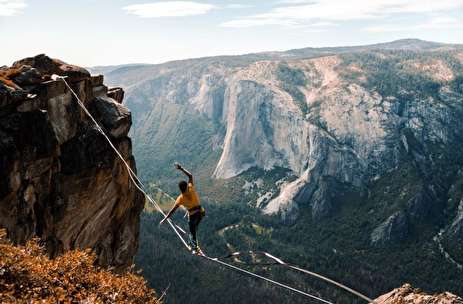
(48, 66)
(27, 75)
(115, 117)
(117, 94)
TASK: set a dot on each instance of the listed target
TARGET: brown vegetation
(27, 275)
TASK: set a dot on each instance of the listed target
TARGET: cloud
(169, 9)
(238, 5)
(242, 23)
(251, 22)
(11, 7)
(297, 1)
(436, 23)
(303, 11)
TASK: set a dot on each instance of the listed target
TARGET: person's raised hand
(178, 166)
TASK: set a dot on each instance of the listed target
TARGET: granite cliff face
(60, 179)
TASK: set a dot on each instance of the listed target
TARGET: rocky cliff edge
(408, 295)
(60, 179)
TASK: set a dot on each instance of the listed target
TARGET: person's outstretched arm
(169, 214)
(190, 176)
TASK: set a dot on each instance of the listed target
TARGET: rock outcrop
(407, 295)
(394, 229)
(456, 228)
(61, 181)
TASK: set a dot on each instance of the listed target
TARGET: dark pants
(193, 222)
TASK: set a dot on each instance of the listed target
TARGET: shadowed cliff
(60, 180)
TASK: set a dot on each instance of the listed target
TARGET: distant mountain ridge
(308, 52)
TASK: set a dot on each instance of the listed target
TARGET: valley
(350, 159)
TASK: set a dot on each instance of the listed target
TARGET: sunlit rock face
(61, 181)
(408, 295)
(264, 128)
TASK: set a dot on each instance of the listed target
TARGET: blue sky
(104, 32)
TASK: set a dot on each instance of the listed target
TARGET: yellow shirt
(189, 199)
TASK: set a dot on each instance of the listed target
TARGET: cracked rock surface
(61, 181)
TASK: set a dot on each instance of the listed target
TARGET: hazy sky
(104, 32)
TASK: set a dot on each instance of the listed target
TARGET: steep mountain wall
(60, 179)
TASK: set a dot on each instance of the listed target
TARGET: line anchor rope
(139, 185)
(278, 261)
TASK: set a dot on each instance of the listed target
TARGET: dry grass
(27, 275)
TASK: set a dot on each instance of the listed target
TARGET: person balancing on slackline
(189, 199)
